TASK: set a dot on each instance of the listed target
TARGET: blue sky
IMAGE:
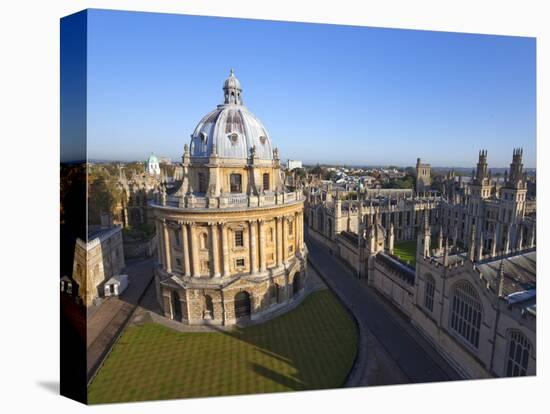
(326, 93)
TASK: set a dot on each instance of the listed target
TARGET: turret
(338, 205)
(481, 170)
(515, 179)
(426, 236)
(391, 239)
(479, 247)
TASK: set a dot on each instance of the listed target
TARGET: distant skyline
(326, 93)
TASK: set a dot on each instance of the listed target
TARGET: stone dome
(231, 130)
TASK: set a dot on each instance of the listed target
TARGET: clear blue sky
(326, 93)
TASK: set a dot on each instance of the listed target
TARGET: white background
(29, 136)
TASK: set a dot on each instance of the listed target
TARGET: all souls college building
(230, 237)
(472, 293)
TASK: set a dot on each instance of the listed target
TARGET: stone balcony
(230, 201)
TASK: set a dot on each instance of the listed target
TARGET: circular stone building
(230, 236)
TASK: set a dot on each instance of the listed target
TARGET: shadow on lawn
(300, 342)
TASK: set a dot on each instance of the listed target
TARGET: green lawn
(311, 347)
(406, 250)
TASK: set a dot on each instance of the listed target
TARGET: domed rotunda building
(230, 235)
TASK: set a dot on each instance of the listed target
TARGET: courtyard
(310, 347)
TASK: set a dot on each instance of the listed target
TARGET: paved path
(415, 357)
(108, 319)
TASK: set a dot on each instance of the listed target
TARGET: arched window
(239, 239)
(276, 293)
(466, 312)
(296, 283)
(266, 181)
(177, 237)
(429, 291)
(519, 350)
(235, 183)
(202, 182)
(208, 307)
(176, 306)
(242, 305)
(204, 241)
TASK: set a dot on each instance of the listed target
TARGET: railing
(231, 200)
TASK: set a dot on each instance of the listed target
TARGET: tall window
(204, 241)
(290, 228)
(519, 349)
(202, 182)
(239, 242)
(266, 181)
(177, 237)
(466, 312)
(235, 183)
(429, 291)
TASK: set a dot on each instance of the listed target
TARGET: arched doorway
(296, 283)
(176, 306)
(208, 307)
(242, 306)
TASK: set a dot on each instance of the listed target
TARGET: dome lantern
(232, 90)
(231, 130)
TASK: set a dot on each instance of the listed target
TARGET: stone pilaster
(185, 242)
(284, 234)
(296, 235)
(253, 247)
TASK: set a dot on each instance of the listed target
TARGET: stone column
(252, 246)
(185, 243)
(279, 240)
(166, 238)
(225, 250)
(296, 235)
(284, 234)
(215, 249)
(262, 245)
(160, 243)
(194, 250)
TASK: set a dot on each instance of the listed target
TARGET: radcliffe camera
(277, 206)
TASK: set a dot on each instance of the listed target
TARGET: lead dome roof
(231, 130)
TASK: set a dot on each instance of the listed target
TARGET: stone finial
(162, 195)
(501, 279)
(276, 153)
(446, 253)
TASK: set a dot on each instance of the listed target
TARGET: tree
(102, 195)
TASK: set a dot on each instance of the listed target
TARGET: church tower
(513, 195)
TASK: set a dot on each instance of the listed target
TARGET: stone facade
(230, 236)
(96, 261)
(423, 176)
(473, 296)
